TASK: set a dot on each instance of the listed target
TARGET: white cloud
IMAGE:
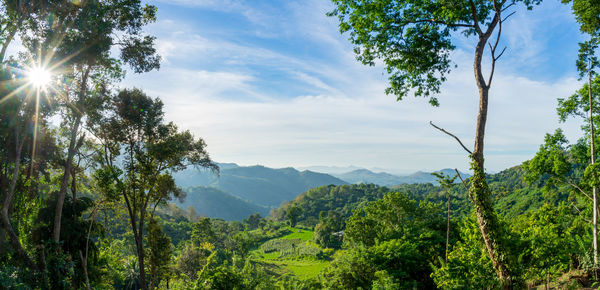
(349, 120)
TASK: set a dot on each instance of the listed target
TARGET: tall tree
(414, 40)
(140, 151)
(587, 13)
(78, 43)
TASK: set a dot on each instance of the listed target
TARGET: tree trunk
(593, 159)
(448, 227)
(85, 271)
(480, 193)
(60, 199)
(140, 250)
(7, 205)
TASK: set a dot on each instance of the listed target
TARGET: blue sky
(274, 83)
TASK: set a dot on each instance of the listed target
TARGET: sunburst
(39, 77)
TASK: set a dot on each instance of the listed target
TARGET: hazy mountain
(329, 169)
(257, 184)
(386, 179)
(215, 203)
(368, 176)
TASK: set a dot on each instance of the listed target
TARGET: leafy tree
(414, 40)
(253, 220)
(550, 234)
(329, 223)
(139, 153)
(587, 14)
(394, 234)
(292, 214)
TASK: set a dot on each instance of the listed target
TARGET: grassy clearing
(301, 234)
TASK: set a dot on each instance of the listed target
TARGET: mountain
(511, 195)
(329, 169)
(215, 203)
(368, 176)
(386, 179)
(258, 184)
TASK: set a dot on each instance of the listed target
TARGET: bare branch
(475, 18)
(463, 181)
(501, 53)
(580, 213)
(509, 5)
(509, 15)
(459, 142)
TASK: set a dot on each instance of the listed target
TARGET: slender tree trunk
(480, 193)
(85, 270)
(7, 205)
(448, 227)
(140, 250)
(593, 159)
(60, 199)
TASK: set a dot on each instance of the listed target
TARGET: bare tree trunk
(448, 227)
(480, 193)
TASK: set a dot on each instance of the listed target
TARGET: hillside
(512, 196)
(258, 184)
(215, 203)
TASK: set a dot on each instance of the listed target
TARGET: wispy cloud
(301, 98)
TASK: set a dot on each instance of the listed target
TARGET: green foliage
(330, 224)
(395, 234)
(469, 266)
(550, 234)
(413, 38)
(159, 252)
(342, 199)
(292, 213)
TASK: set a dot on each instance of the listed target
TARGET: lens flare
(39, 77)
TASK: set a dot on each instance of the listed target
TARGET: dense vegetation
(88, 173)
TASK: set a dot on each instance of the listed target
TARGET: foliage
(396, 235)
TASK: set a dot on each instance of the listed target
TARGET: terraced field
(294, 253)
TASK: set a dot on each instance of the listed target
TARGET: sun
(39, 77)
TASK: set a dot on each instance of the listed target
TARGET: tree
(395, 235)
(413, 38)
(587, 13)
(446, 182)
(139, 153)
(292, 214)
(84, 52)
(253, 220)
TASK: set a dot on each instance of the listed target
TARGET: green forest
(98, 187)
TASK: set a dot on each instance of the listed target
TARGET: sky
(274, 83)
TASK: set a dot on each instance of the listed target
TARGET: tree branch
(459, 142)
(475, 18)
(463, 182)
(580, 213)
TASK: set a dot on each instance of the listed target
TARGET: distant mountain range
(212, 202)
(259, 188)
(239, 191)
(386, 179)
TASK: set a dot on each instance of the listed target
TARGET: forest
(91, 196)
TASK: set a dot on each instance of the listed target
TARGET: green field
(294, 253)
